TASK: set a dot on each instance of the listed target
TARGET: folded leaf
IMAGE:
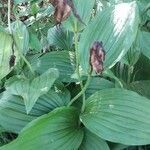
(118, 115)
(111, 26)
(13, 115)
(56, 130)
(31, 90)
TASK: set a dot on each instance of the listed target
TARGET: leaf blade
(31, 90)
(110, 26)
(121, 113)
(13, 116)
(56, 130)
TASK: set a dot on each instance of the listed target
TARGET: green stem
(77, 59)
(83, 88)
(9, 11)
(81, 93)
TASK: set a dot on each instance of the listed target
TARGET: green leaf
(97, 84)
(93, 142)
(118, 115)
(60, 38)
(111, 26)
(141, 87)
(144, 43)
(34, 42)
(5, 53)
(31, 90)
(56, 130)
(21, 36)
(84, 10)
(64, 61)
(13, 115)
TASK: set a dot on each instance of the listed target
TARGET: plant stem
(77, 59)
(9, 11)
(83, 88)
(81, 93)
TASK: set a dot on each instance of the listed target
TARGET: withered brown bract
(63, 9)
(97, 57)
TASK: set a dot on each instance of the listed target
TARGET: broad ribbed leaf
(31, 90)
(56, 130)
(93, 142)
(21, 36)
(5, 53)
(141, 87)
(64, 61)
(97, 84)
(111, 26)
(13, 115)
(118, 115)
(84, 10)
(60, 38)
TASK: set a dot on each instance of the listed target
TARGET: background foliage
(48, 97)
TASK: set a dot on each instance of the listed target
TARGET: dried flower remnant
(97, 57)
(63, 9)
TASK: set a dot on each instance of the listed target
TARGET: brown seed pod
(97, 57)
